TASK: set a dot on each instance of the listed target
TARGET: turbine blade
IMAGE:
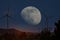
(11, 18)
(2, 17)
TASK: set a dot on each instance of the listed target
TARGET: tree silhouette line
(45, 34)
(48, 35)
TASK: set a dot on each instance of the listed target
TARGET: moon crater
(31, 15)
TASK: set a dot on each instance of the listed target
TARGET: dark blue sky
(48, 7)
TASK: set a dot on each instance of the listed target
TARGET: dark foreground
(13, 34)
(45, 34)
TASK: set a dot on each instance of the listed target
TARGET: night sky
(47, 7)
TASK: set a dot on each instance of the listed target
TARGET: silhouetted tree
(52, 36)
(57, 30)
(45, 34)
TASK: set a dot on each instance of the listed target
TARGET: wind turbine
(6, 16)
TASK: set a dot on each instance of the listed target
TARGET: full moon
(31, 15)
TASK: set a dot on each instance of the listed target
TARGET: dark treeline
(45, 34)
